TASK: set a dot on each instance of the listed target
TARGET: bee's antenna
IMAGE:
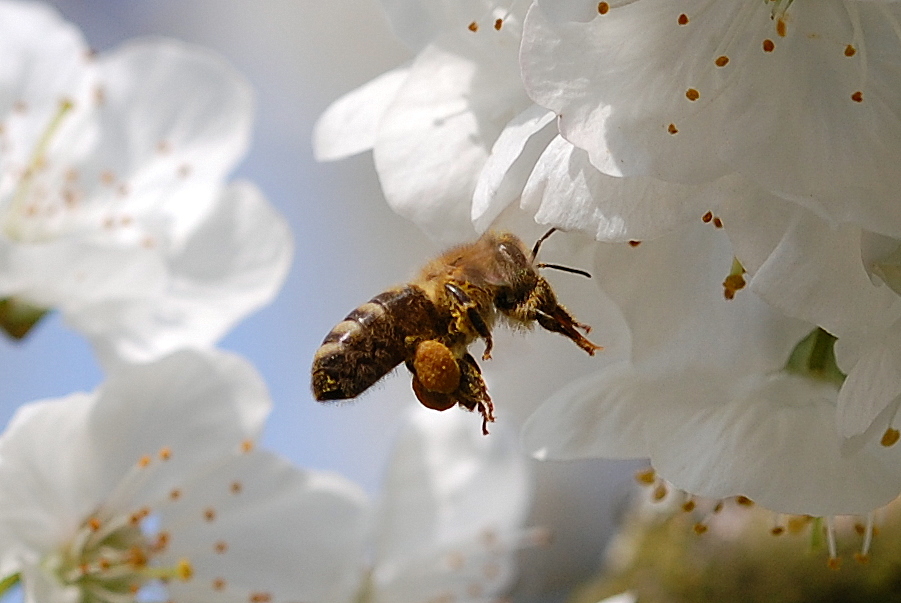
(540, 241)
(564, 269)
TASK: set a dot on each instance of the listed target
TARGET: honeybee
(430, 323)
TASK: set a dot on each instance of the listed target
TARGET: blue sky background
(299, 56)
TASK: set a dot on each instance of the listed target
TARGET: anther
(634, 243)
(850, 51)
(174, 494)
(603, 8)
(236, 487)
(717, 222)
(184, 570)
(857, 97)
(707, 217)
(246, 445)
(780, 27)
(498, 23)
(660, 492)
(890, 437)
(672, 129)
(744, 501)
(209, 514)
(700, 528)
(94, 524)
(221, 547)
(165, 453)
(768, 45)
(692, 94)
(144, 461)
(473, 27)
(218, 584)
(646, 477)
(683, 19)
(721, 61)
(260, 598)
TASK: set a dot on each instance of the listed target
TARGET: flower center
(110, 561)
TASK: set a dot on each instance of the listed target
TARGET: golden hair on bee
(429, 324)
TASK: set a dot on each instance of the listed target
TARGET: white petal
(201, 406)
(872, 385)
(45, 60)
(176, 118)
(815, 272)
(275, 529)
(447, 482)
(71, 274)
(434, 139)
(670, 291)
(511, 161)
(232, 264)
(782, 449)
(350, 124)
(44, 454)
(593, 417)
(567, 191)
(419, 23)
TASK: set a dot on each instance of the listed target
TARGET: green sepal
(18, 317)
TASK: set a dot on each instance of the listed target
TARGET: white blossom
(113, 206)
(152, 482)
(800, 98)
(431, 124)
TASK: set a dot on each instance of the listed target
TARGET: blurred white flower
(800, 98)
(449, 523)
(431, 124)
(151, 486)
(113, 207)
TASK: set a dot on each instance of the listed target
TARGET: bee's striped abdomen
(371, 341)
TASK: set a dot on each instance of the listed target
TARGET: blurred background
(299, 57)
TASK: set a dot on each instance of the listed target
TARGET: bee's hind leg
(473, 393)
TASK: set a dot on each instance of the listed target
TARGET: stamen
(834, 562)
(890, 437)
(603, 8)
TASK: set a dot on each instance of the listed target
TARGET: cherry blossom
(113, 205)
(153, 483)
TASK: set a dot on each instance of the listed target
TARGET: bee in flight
(430, 323)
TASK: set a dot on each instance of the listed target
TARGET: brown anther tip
(700, 528)
(473, 26)
(692, 94)
(660, 492)
(857, 97)
(834, 563)
(850, 51)
(707, 217)
(498, 23)
(860, 529)
(744, 501)
(689, 506)
(721, 61)
(717, 222)
(777, 531)
(861, 558)
(634, 243)
(672, 129)
(890, 437)
(646, 477)
(683, 19)
(768, 45)
(603, 8)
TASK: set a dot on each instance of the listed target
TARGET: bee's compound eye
(436, 367)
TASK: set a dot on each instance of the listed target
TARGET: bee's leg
(542, 306)
(430, 399)
(475, 321)
(473, 393)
